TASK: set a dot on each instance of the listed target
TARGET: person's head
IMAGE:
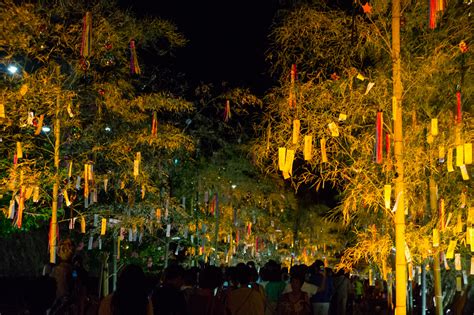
(210, 278)
(318, 266)
(174, 276)
(273, 272)
(243, 274)
(296, 282)
(131, 296)
(65, 250)
(190, 276)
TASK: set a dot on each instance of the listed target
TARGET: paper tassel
(134, 66)
(308, 148)
(458, 107)
(434, 126)
(459, 155)
(154, 125)
(296, 131)
(281, 158)
(136, 164)
(2, 110)
(387, 193)
(324, 157)
(450, 160)
(227, 113)
(86, 35)
(19, 151)
(378, 137)
(441, 209)
(467, 153)
(334, 129)
(451, 248)
(103, 226)
(435, 238)
(83, 225)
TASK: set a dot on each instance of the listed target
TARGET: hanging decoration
(83, 225)
(19, 150)
(136, 164)
(378, 137)
(367, 8)
(459, 155)
(292, 95)
(308, 147)
(334, 129)
(387, 193)
(86, 40)
(281, 158)
(434, 126)
(2, 111)
(435, 7)
(451, 248)
(21, 207)
(154, 125)
(450, 160)
(296, 131)
(435, 237)
(467, 153)
(324, 157)
(134, 66)
(227, 113)
(458, 107)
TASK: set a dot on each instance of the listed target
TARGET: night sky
(227, 38)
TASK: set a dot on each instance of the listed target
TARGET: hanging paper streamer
(2, 110)
(435, 238)
(66, 198)
(441, 154)
(464, 173)
(290, 155)
(378, 137)
(86, 181)
(227, 113)
(308, 148)
(21, 207)
(450, 160)
(442, 220)
(459, 155)
(134, 66)
(281, 158)
(36, 194)
(324, 157)
(136, 164)
(459, 224)
(435, 7)
(387, 193)
(434, 126)
(69, 170)
(212, 206)
(296, 131)
(154, 125)
(467, 153)
(19, 150)
(103, 226)
(458, 107)
(29, 192)
(334, 129)
(249, 228)
(451, 248)
(11, 209)
(369, 87)
(86, 35)
(83, 225)
(292, 96)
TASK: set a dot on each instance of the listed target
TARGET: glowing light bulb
(108, 129)
(12, 69)
(46, 129)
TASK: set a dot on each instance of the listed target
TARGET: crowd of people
(244, 289)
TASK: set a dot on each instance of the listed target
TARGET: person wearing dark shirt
(320, 278)
(168, 299)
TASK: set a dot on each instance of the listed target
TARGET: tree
(115, 134)
(337, 55)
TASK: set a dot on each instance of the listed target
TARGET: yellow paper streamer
(470, 216)
(472, 265)
(281, 158)
(324, 157)
(467, 153)
(451, 248)
(86, 181)
(434, 126)
(66, 198)
(458, 284)
(296, 131)
(2, 110)
(23, 89)
(435, 238)
(286, 175)
(459, 155)
(36, 194)
(19, 151)
(468, 236)
(387, 193)
(29, 192)
(441, 153)
(464, 173)
(450, 160)
(103, 227)
(290, 156)
(457, 261)
(342, 117)
(83, 225)
(308, 148)
(136, 164)
(360, 77)
(459, 224)
(334, 129)
(69, 173)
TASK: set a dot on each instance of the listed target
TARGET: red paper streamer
(134, 66)
(387, 144)
(378, 138)
(459, 108)
(432, 22)
(237, 237)
(292, 97)
(256, 244)
(154, 125)
(227, 113)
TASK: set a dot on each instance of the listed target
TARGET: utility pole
(400, 271)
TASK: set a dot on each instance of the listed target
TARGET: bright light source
(46, 129)
(107, 128)
(12, 69)
(234, 186)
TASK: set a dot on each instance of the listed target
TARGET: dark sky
(227, 38)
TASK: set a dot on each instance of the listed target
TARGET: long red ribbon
(459, 109)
